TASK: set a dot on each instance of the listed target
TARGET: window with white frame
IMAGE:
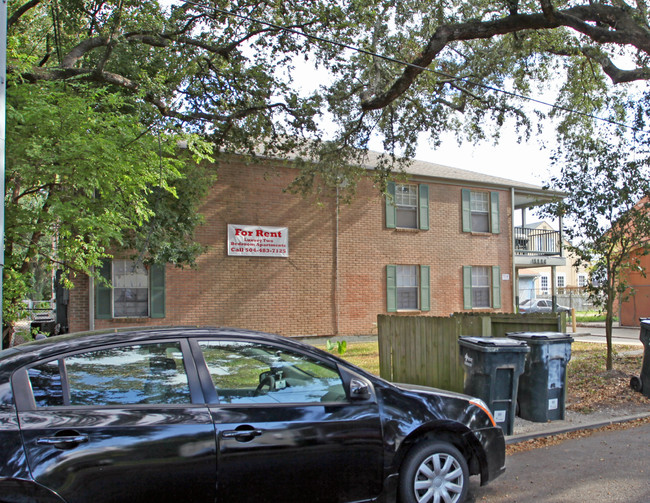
(582, 280)
(407, 206)
(130, 289)
(406, 202)
(543, 284)
(561, 281)
(480, 207)
(481, 284)
(407, 287)
(481, 287)
(480, 211)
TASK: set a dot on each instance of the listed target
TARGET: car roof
(12, 358)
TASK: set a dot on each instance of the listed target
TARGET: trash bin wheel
(636, 384)
(434, 471)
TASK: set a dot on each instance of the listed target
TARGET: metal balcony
(537, 242)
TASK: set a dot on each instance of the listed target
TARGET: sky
(525, 162)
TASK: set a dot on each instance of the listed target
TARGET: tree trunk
(7, 336)
(609, 321)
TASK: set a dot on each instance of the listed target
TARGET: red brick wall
(298, 295)
(637, 305)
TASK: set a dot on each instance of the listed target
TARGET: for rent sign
(256, 241)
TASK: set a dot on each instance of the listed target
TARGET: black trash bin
(492, 369)
(542, 386)
(44, 324)
(642, 383)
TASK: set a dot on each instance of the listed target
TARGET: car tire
(636, 384)
(434, 471)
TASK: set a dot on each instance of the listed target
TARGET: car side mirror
(359, 390)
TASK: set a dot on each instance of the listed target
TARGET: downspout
(515, 278)
(91, 301)
(336, 266)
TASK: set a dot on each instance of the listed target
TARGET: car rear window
(125, 375)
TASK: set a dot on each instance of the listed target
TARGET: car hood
(433, 391)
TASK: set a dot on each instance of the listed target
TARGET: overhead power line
(391, 59)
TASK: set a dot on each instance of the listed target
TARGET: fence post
(486, 326)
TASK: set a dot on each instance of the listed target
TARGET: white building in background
(537, 282)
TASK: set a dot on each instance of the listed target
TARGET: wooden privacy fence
(424, 349)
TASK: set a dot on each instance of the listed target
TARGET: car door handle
(63, 440)
(242, 435)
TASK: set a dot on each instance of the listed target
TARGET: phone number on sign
(257, 250)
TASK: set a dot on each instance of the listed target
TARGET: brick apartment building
(445, 243)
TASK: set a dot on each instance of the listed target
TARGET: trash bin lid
(541, 336)
(492, 341)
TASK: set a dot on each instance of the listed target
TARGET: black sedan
(205, 415)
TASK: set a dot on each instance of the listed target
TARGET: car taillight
(481, 405)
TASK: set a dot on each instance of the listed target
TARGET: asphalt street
(605, 466)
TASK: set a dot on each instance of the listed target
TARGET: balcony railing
(535, 242)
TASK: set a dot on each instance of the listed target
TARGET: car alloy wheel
(434, 472)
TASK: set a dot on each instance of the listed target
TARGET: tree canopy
(233, 69)
(84, 178)
(116, 81)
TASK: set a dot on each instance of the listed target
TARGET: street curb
(516, 439)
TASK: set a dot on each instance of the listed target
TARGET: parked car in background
(540, 306)
(204, 415)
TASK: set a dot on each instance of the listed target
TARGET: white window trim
(544, 278)
(415, 206)
(416, 286)
(487, 286)
(113, 290)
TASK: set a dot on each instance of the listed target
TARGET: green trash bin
(492, 369)
(542, 386)
(642, 383)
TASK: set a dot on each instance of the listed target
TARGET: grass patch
(362, 354)
(591, 316)
(590, 387)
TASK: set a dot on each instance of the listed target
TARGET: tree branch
(20, 11)
(620, 28)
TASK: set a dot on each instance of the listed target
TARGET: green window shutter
(467, 287)
(423, 191)
(494, 210)
(103, 292)
(467, 211)
(425, 289)
(391, 288)
(496, 287)
(157, 290)
(391, 209)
